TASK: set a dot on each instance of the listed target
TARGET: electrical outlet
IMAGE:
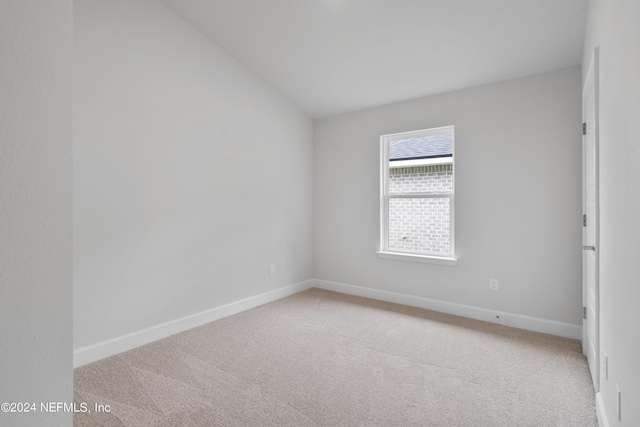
(272, 269)
(493, 284)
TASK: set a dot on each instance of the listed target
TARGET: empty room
(320, 213)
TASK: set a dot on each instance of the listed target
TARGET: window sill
(430, 259)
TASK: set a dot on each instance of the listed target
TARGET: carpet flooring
(321, 358)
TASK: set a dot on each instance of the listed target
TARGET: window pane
(421, 179)
(417, 192)
(421, 147)
(420, 225)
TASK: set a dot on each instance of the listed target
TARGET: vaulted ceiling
(334, 56)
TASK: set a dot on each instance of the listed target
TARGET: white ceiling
(334, 56)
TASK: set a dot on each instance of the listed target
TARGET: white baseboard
(101, 350)
(600, 412)
(535, 324)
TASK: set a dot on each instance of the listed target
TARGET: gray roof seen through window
(423, 147)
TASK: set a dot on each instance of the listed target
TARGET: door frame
(592, 78)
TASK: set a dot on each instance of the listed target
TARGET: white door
(590, 242)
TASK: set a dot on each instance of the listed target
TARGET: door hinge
(584, 128)
(584, 312)
(584, 220)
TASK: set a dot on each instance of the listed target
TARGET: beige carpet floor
(321, 358)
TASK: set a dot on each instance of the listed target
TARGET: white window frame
(384, 251)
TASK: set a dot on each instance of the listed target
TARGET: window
(417, 195)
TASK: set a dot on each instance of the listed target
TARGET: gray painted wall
(35, 208)
(191, 175)
(615, 27)
(518, 197)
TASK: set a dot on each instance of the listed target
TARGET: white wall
(35, 208)
(191, 175)
(615, 27)
(518, 197)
